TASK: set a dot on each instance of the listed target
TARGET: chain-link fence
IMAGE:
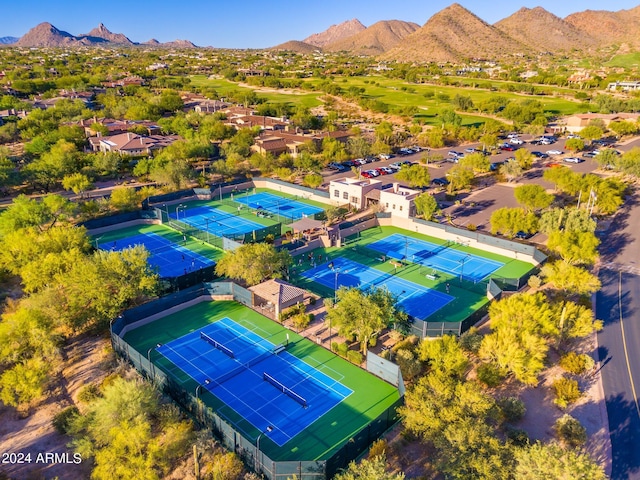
(184, 393)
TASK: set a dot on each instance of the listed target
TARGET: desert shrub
(378, 448)
(534, 281)
(408, 343)
(570, 431)
(490, 375)
(62, 420)
(567, 391)
(301, 321)
(88, 393)
(340, 348)
(471, 340)
(410, 366)
(354, 356)
(472, 227)
(576, 363)
(512, 408)
(517, 437)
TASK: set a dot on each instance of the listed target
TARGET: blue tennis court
(440, 257)
(170, 259)
(216, 222)
(417, 300)
(278, 205)
(261, 381)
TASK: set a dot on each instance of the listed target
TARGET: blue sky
(248, 23)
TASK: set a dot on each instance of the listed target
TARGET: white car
(516, 141)
(470, 150)
(573, 160)
(373, 173)
(553, 152)
(512, 135)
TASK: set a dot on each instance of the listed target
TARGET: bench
(431, 276)
(280, 348)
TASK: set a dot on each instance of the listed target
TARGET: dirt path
(85, 361)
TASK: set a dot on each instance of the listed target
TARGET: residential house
(624, 86)
(131, 144)
(116, 127)
(577, 122)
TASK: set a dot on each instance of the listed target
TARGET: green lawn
(225, 87)
(469, 297)
(370, 398)
(629, 60)
(399, 93)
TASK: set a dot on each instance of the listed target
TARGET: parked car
(573, 160)
(508, 148)
(373, 173)
(453, 153)
(554, 152)
(522, 235)
(336, 166)
(470, 150)
(366, 174)
(494, 166)
(359, 161)
(516, 141)
(440, 181)
(573, 135)
(512, 135)
(539, 154)
(589, 154)
(384, 156)
(386, 170)
(553, 165)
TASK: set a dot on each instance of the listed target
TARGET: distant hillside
(296, 46)
(179, 44)
(543, 31)
(609, 27)
(103, 33)
(46, 35)
(454, 34)
(376, 39)
(8, 40)
(335, 33)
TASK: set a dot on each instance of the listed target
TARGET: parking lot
(475, 207)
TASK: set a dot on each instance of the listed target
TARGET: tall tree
(426, 205)
(254, 263)
(363, 314)
(416, 175)
(533, 197)
(544, 461)
(575, 248)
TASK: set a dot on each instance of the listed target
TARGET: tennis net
(216, 344)
(284, 389)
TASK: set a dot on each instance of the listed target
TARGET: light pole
(178, 209)
(462, 260)
(153, 370)
(207, 220)
(267, 430)
(336, 271)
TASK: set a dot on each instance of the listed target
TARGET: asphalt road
(618, 304)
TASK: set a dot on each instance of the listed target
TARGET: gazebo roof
(305, 224)
(277, 291)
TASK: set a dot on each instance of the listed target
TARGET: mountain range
(453, 34)
(46, 35)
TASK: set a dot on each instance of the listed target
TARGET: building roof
(306, 224)
(277, 291)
